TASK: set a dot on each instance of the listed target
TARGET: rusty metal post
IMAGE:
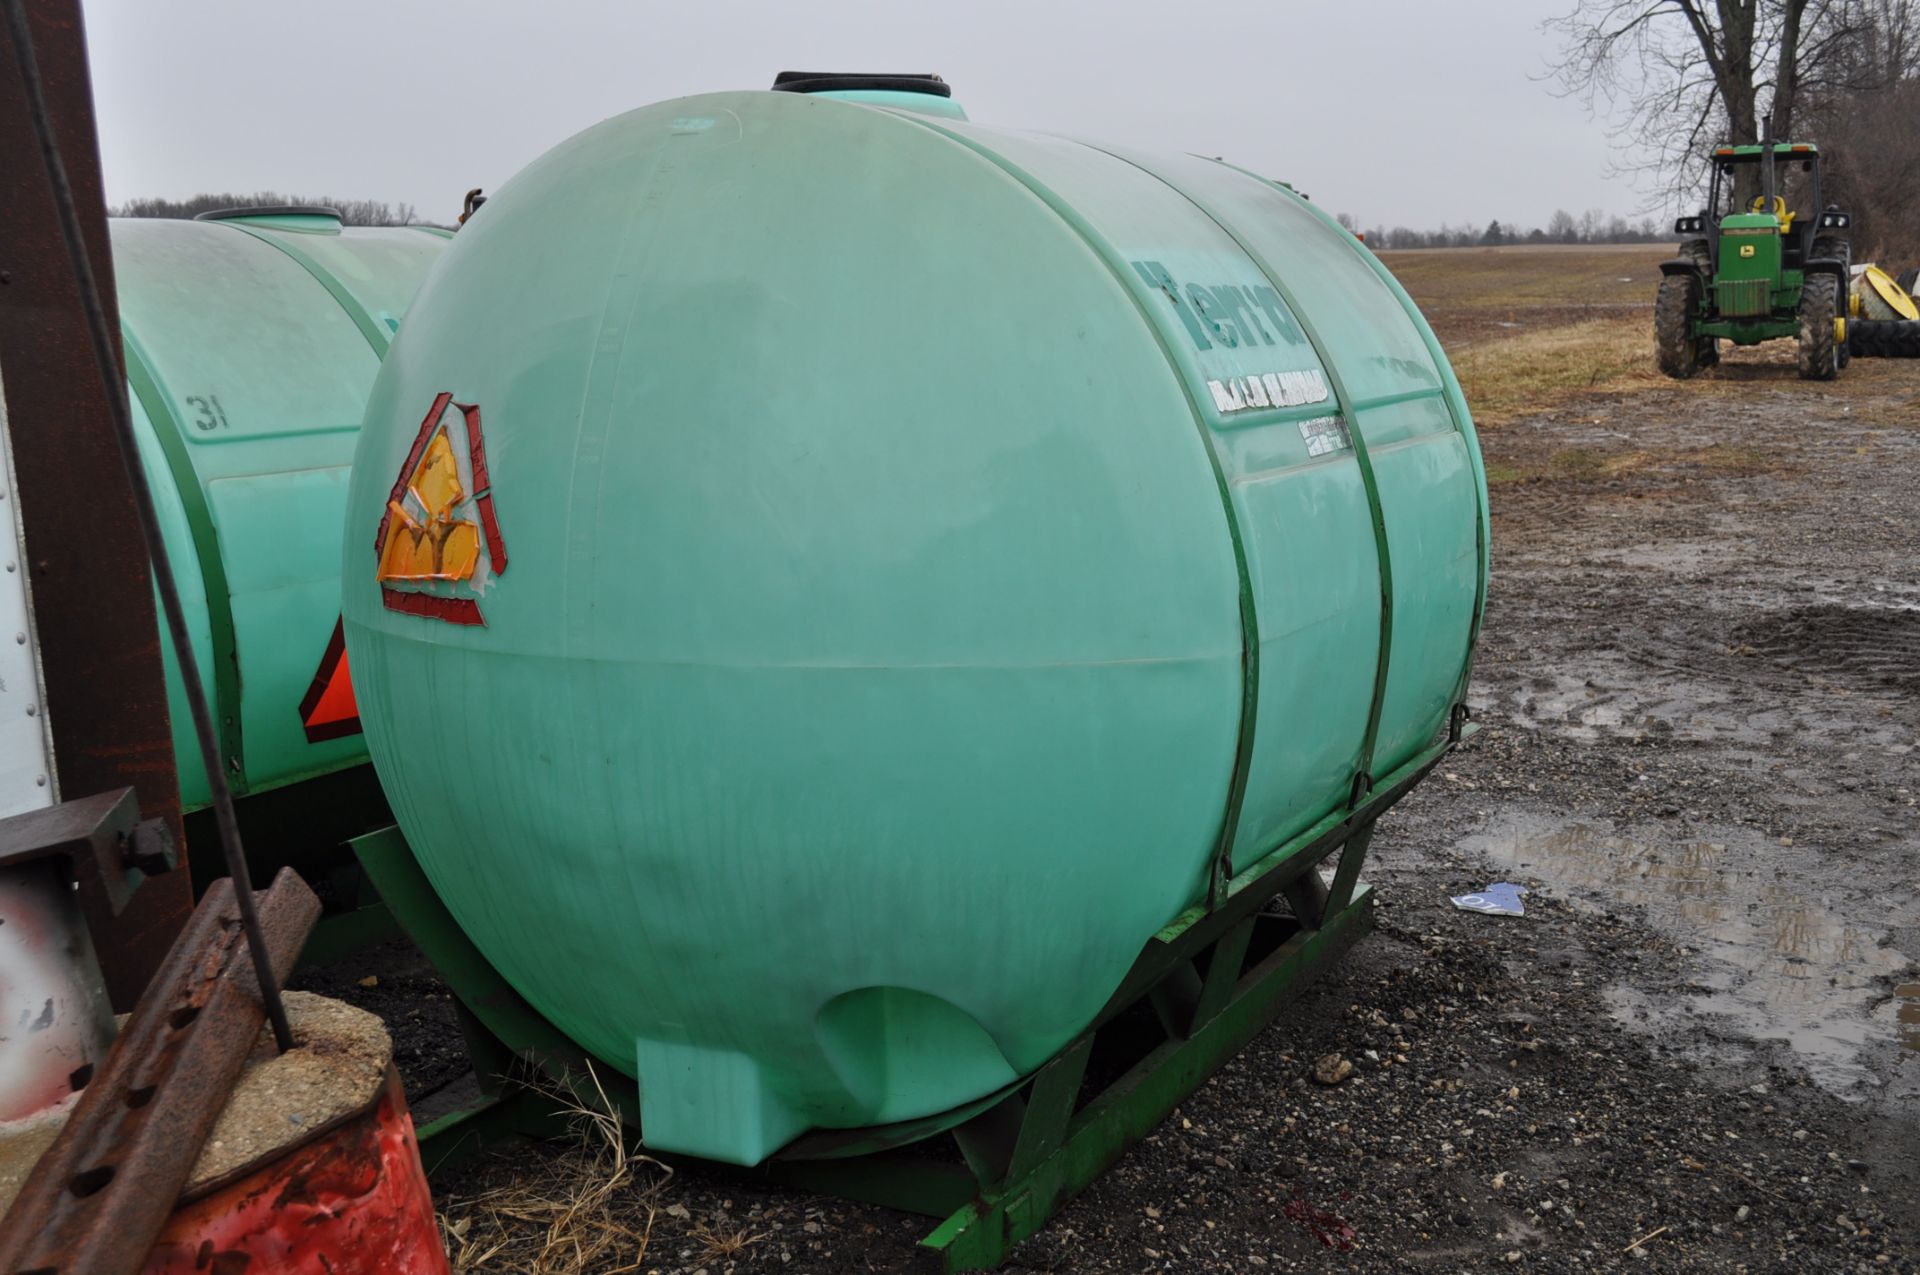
(105, 1188)
(92, 590)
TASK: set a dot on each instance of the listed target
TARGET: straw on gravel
(589, 1209)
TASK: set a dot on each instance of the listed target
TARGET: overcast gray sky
(1403, 112)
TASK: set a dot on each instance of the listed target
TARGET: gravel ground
(1698, 686)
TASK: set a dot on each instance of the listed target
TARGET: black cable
(122, 418)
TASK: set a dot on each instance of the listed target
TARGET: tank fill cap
(840, 82)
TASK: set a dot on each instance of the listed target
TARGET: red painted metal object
(353, 1201)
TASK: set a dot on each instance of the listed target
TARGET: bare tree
(1865, 114)
(1681, 75)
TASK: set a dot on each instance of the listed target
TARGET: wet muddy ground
(1699, 1049)
(1699, 684)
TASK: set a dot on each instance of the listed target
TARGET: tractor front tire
(1674, 345)
(1819, 306)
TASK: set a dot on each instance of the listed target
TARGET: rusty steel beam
(91, 587)
(106, 1186)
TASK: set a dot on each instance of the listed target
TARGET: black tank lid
(833, 82)
(267, 210)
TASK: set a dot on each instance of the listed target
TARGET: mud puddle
(1906, 1006)
(1773, 956)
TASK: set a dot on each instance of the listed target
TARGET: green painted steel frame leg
(979, 1235)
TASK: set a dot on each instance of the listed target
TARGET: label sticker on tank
(1273, 389)
(439, 541)
(1325, 435)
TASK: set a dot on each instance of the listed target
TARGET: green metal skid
(1214, 978)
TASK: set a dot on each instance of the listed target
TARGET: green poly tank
(252, 338)
(825, 580)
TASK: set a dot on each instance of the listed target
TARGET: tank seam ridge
(144, 379)
(1109, 257)
(1457, 407)
(1362, 455)
(369, 329)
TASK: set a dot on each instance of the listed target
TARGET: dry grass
(1512, 281)
(1531, 371)
(1471, 295)
(1531, 328)
(590, 1209)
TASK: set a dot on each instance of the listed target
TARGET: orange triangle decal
(329, 710)
(439, 541)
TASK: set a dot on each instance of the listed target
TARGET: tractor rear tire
(1819, 306)
(1909, 281)
(1674, 345)
(1885, 338)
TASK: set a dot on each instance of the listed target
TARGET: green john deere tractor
(1764, 259)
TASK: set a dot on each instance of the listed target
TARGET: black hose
(122, 419)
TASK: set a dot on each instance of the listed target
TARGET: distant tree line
(1590, 227)
(353, 212)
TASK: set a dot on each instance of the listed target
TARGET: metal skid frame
(1201, 989)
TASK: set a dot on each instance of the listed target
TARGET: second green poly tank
(826, 581)
(251, 339)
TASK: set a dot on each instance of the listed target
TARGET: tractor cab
(1764, 210)
(1766, 258)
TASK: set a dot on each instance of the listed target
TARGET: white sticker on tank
(1273, 389)
(1325, 435)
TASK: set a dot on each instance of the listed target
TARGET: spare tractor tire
(1884, 338)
